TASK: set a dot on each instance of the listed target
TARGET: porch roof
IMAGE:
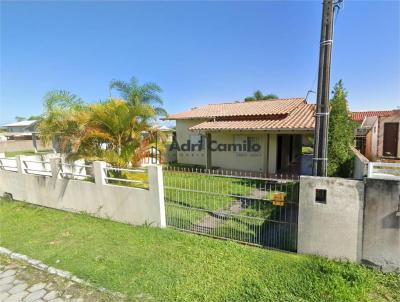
(301, 118)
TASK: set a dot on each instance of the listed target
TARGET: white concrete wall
(360, 169)
(21, 145)
(381, 246)
(124, 204)
(333, 229)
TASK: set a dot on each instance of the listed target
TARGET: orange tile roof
(359, 116)
(301, 118)
(256, 108)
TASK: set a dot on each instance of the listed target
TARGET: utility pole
(320, 158)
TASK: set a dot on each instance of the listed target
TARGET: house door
(390, 139)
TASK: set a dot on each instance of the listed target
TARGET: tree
(258, 96)
(20, 118)
(110, 130)
(31, 118)
(135, 94)
(64, 119)
(118, 126)
(341, 134)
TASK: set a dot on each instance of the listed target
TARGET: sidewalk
(21, 282)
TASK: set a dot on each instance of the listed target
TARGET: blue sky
(198, 52)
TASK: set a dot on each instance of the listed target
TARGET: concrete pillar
(20, 164)
(272, 153)
(156, 187)
(208, 151)
(55, 167)
(34, 142)
(99, 173)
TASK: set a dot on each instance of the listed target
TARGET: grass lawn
(26, 152)
(172, 266)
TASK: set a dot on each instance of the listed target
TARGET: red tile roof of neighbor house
(256, 108)
(359, 116)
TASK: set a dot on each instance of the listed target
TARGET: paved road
(20, 282)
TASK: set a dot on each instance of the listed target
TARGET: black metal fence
(248, 207)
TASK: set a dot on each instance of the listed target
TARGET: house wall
(261, 161)
(264, 160)
(182, 135)
(374, 141)
(380, 135)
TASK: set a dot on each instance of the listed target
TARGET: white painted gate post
(20, 164)
(156, 187)
(55, 167)
(99, 173)
(370, 169)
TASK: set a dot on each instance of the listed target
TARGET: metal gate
(255, 209)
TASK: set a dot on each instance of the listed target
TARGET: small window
(198, 140)
(320, 196)
(195, 139)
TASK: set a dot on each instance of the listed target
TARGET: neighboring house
(275, 127)
(20, 136)
(378, 135)
(20, 130)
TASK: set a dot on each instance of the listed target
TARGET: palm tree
(64, 119)
(135, 94)
(258, 96)
(118, 126)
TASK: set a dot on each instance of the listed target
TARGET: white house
(264, 136)
(20, 130)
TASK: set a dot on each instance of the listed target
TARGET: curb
(55, 271)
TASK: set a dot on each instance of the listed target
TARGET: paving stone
(7, 280)
(18, 288)
(16, 297)
(51, 295)
(57, 300)
(7, 273)
(20, 281)
(5, 287)
(16, 282)
(36, 287)
(35, 295)
(11, 266)
(3, 295)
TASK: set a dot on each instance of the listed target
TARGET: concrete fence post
(19, 159)
(156, 187)
(99, 173)
(370, 169)
(55, 167)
